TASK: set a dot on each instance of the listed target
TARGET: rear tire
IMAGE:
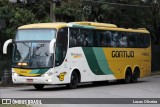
(128, 76)
(74, 81)
(135, 75)
(38, 86)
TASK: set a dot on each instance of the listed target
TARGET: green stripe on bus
(92, 61)
(81, 26)
(89, 27)
(102, 61)
(39, 71)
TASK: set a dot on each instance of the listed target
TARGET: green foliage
(14, 18)
(16, 15)
(69, 11)
(40, 9)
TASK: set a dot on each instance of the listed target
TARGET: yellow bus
(75, 52)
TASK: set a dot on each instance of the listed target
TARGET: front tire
(38, 86)
(74, 81)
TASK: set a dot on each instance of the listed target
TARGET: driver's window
(61, 46)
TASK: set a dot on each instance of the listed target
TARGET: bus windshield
(35, 34)
(32, 55)
(31, 48)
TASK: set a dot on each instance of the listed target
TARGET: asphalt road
(148, 87)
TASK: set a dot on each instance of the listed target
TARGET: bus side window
(79, 37)
(146, 40)
(140, 38)
(95, 38)
(132, 40)
(108, 38)
(123, 39)
(115, 39)
(73, 37)
(88, 38)
(102, 39)
(61, 46)
(98, 38)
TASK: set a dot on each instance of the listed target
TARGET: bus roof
(43, 25)
(85, 24)
(95, 24)
(125, 30)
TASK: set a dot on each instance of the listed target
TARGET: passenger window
(102, 39)
(108, 38)
(146, 41)
(123, 38)
(73, 37)
(97, 39)
(140, 40)
(86, 37)
(81, 37)
(105, 38)
(132, 40)
(115, 39)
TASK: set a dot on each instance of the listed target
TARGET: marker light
(22, 64)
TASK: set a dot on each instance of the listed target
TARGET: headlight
(15, 74)
(47, 74)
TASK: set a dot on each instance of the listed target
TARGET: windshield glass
(31, 48)
(32, 55)
(35, 34)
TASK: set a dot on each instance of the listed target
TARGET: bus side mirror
(52, 46)
(5, 46)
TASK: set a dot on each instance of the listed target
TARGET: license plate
(29, 80)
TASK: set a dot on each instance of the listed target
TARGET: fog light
(49, 80)
(14, 74)
(45, 75)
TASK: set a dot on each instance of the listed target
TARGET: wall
(155, 58)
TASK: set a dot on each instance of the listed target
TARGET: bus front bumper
(31, 80)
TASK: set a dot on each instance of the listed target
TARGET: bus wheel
(74, 81)
(38, 86)
(128, 76)
(135, 75)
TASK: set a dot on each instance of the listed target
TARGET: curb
(11, 85)
(155, 73)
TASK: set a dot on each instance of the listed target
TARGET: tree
(14, 17)
(70, 11)
(154, 18)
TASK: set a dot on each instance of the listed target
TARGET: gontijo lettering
(122, 54)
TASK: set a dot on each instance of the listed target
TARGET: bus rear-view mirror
(5, 46)
(52, 46)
